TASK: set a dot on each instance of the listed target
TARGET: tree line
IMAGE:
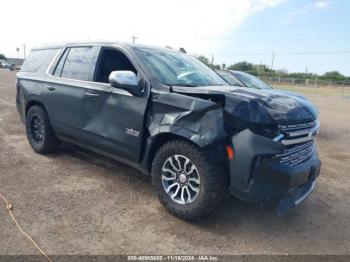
(264, 70)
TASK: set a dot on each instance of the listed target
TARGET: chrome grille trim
(299, 133)
(290, 127)
(288, 142)
(297, 154)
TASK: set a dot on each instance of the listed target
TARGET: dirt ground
(74, 202)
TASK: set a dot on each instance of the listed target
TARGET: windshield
(229, 78)
(251, 81)
(177, 69)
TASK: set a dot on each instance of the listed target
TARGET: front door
(113, 118)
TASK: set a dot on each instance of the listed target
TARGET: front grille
(296, 154)
(299, 133)
(291, 127)
(299, 141)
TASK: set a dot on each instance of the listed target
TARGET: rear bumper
(256, 176)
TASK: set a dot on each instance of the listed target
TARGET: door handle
(92, 94)
(51, 88)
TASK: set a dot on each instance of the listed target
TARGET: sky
(240, 30)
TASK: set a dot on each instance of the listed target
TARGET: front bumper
(257, 176)
(295, 197)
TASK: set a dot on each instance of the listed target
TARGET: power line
(279, 54)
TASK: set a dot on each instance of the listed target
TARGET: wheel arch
(159, 140)
(216, 150)
(32, 103)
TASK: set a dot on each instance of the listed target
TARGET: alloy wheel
(37, 129)
(180, 179)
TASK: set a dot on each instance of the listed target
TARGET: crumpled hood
(258, 106)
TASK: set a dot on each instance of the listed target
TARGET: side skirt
(106, 154)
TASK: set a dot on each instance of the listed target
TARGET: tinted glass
(251, 81)
(229, 78)
(38, 59)
(177, 69)
(80, 63)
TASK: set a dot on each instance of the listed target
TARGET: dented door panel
(113, 121)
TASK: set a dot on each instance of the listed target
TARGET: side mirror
(126, 80)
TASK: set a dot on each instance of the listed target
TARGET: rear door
(113, 118)
(64, 95)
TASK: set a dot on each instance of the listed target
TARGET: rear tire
(39, 131)
(206, 182)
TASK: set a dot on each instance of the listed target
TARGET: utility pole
(212, 59)
(133, 38)
(17, 50)
(24, 51)
(273, 59)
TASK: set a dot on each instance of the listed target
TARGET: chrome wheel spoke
(193, 188)
(176, 191)
(168, 178)
(170, 187)
(187, 161)
(178, 162)
(193, 168)
(182, 195)
(172, 164)
(189, 198)
(193, 179)
(164, 169)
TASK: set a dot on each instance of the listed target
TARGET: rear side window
(38, 59)
(80, 63)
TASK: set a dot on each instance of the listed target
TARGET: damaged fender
(198, 120)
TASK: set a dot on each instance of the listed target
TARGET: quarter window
(38, 59)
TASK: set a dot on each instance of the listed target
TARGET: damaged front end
(275, 160)
(263, 169)
(271, 137)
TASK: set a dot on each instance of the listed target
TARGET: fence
(317, 86)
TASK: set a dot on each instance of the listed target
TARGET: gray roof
(63, 44)
(110, 43)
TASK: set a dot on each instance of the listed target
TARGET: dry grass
(326, 91)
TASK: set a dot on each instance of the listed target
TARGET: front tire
(39, 131)
(187, 183)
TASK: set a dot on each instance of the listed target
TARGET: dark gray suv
(168, 115)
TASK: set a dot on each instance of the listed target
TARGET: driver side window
(111, 60)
